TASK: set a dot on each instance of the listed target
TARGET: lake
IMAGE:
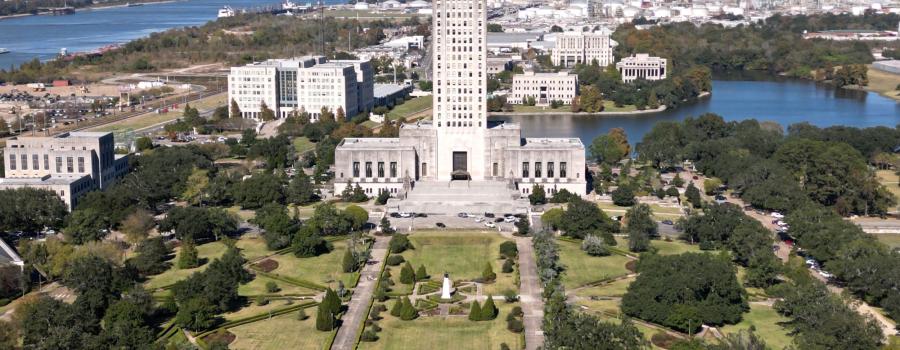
(786, 101)
(43, 36)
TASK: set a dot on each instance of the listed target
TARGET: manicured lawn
(411, 107)
(766, 320)
(253, 247)
(608, 106)
(614, 289)
(323, 269)
(250, 308)
(463, 254)
(243, 214)
(892, 240)
(452, 333)
(280, 332)
(208, 251)
(582, 268)
(140, 122)
(659, 212)
(889, 180)
(674, 247)
(258, 287)
(303, 145)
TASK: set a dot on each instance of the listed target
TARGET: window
(380, 169)
(550, 169)
(562, 169)
(24, 162)
(355, 169)
(368, 169)
(537, 169)
(58, 164)
(525, 169)
(35, 163)
(393, 169)
(495, 169)
(80, 164)
(46, 162)
(69, 165)
(12, 162)
(424, 169)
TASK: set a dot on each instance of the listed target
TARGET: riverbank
(106, 5)
(882, 83)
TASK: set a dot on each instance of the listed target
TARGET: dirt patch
(631, 265)
(663, 340)
(220, 337)
(267, 265)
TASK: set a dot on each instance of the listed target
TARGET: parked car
(406, 215)
(479, 219)
(510, 219)
(462, 215)
(421, 215)
(499, 220)
(667, 222)
(825, 274)
(489, 215)
(490, 224)
(777, 215)
(440, 225)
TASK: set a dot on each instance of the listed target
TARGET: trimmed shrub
(394, 260)
(508, 249)
(488, 274)
(508, 266)
(594, 246)
(488, 311)
(475, 311)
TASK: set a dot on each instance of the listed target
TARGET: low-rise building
(302, 84)
(642, 66)
(70, 164)
(583, 47)
(544, 87)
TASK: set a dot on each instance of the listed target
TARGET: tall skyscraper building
(459, 142)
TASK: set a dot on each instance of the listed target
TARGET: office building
(544, 87)
(642, 66)
(583, 47)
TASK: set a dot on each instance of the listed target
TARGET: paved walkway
(530, 294)
(358, 308)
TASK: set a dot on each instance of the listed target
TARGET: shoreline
(92, 7)
(662, 108)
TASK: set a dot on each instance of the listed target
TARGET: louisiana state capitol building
(459, 156)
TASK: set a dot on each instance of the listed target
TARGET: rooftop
(8, 255)
(372, 143)
(46, 180)
(549, 143)
(383, 90)
(503, 38)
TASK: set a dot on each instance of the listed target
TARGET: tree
(383, 196)
(610, 148)
(475, 311)
(488, 275)
(258, 190)
(143, 144)
(265, 113)
(494, 28)
(591, 100)
(508, 249)
(235, 109)
(278, 226)
(188, 258)
(686, 291)
(348, 263)
(641, 227)
(489, 311)
(693, 195)
(537, 195)
(421, 274)
(126, 326)
(677, 181)
(301, 190)
(197, 184)
(594, 246)
(408, 312)
(583, 217)
(152, 257)
(623, 196)
(197, 223)
(137, 225)
(399, 243)
(385, 226)
(711, 186)
(47, 324)
(407, 274)
(358, 216)
(662, 145)
(86, 226)
(308, 243)
(324, 319)
(397, 309)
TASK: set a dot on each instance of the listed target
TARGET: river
(43, 36)
(786, 101)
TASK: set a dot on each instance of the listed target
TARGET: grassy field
(411, 107)
(614, 289)
(463, 254)
(608, 106)
(367, 14)
(659, 212)
(766, 320)
(582, 268)
(252, 247)
(258, 287)
(280, 332)
(150, 119)
(889, 179)
(324, 269)
(892, 240)
(452, 333)
(674, 247)
(208, 251)
(884, 83)
(303, 145)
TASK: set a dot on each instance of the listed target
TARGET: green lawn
(614, 289)
(280, 332)
(258, 287)
(889, 179)
(208, 251)
(452, 333)
(463, 254)
(766, 320)
(659, 212)
(674, 247)
(608, 106)
(582, 268)
(253, 247)
(324, 269)
(303, 145)
(892, 240)
(411, 107)
(250, 308)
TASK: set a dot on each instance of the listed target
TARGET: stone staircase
(452, 197)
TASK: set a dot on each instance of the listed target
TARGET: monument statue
(445, 288)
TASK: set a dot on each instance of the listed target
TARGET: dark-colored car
(489, 215)
(667, 222)
(421, 215)
(498, 220)
(462, 215)
(440, 225)
(395, 215)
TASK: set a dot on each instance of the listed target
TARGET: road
(358, 309)
(530, 294)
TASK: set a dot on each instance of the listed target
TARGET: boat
(134, 5)
(226, 11)
(3, 50)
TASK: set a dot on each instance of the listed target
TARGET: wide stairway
(452, 197)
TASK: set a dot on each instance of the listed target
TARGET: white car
(490, 224)
(509, 219)
(479, 219)
(405, 215)
(825, 274)
(777, 215)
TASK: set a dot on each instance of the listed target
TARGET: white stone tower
(446, 287)
(460, 106)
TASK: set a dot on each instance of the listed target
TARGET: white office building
(642, 66)
(583, 47)
(302, 84)
(69, 164)
(544, 87)
(459, 154)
